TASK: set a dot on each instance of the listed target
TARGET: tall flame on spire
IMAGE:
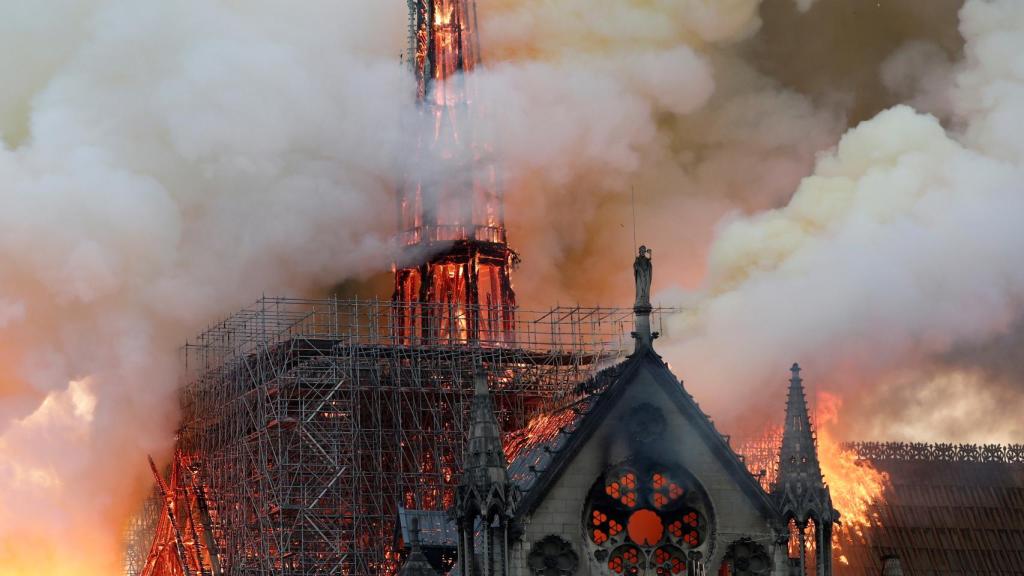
(453, 210)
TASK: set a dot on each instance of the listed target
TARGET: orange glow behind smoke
(45, 545)
(52, 563)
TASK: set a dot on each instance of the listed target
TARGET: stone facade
(734, 508)
(639, 482)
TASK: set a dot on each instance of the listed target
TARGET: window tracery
(552, 556)
(745, 557)
(644, 520)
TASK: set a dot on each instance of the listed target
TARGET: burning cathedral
(448, 431)
(638, 481)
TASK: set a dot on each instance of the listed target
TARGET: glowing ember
(542, 428)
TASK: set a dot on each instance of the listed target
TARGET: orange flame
(855, 484)
(443, 17)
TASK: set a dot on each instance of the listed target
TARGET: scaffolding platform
(310, 422)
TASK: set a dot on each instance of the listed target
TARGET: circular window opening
(643, 519)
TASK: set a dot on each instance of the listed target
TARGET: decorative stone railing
(922, 452)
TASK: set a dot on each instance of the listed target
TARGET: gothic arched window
(643, 520)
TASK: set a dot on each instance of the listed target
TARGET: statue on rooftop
(642, 275)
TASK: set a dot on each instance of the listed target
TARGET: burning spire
(463, 291)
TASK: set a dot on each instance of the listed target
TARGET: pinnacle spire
(800, 488)
(414, 534)
(485, 466)
(416, 564)
(485, 497)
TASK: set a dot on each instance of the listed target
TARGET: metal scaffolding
(309, 422)
(138, 534)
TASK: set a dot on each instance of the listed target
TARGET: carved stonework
(644, 517)
(918, 452)
(645, 423)
(552, 556)
(748, 558)
(643, 274)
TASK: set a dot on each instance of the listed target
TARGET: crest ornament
(552, 556)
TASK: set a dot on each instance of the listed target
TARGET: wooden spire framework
(184, 542)
(451, 211)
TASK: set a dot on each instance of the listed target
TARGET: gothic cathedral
(639, 482)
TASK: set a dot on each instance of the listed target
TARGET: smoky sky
(835, 183)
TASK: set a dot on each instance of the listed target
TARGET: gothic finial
(799, 469)
(416, 564)
(484, 464)
(414, 534)
(480, 387)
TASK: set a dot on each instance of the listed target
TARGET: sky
(826, 182)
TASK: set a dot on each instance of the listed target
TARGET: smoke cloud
(894, 254)
(599, 103)
(162, 165)
(892, 271)
(888, 273)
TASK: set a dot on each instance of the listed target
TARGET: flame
(855, 485)
(443, 17)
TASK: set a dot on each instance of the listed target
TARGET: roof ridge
(604, 400)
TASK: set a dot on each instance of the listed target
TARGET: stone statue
(642, 275)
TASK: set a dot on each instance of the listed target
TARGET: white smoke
(163, 164)
(598, 103)
(901, 248)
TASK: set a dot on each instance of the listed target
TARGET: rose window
(644, 520)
